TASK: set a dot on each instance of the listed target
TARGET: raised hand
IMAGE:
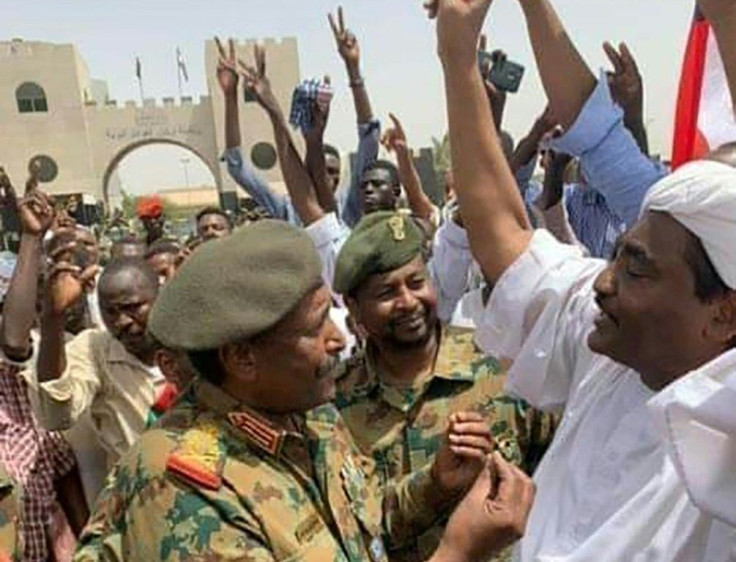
(394, 139)
(35, 210)
(461, 457)
(459, 23)
(67, 282)
(227, 69)
(626, 83)
(320, 118)
(256, 81)
(347, 44)
(492, 516)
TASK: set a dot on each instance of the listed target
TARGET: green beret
(380, 242)
(236, 287)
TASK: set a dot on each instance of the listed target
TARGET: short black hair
(387, 166)
(163, 246)
(138, 265)
(329, 149)
(207, 365)
(213, 211)
(708, 283)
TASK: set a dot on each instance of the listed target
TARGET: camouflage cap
(236, 287)
(381, 242)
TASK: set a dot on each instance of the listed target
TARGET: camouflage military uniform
(10, 506)
(215, 481)
(402, 428)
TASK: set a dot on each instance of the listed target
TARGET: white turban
(702, 197)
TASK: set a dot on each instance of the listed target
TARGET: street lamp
(185, 164)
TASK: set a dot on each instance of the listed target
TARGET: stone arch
(128, 148)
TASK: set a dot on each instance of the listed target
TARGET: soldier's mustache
(328, 367)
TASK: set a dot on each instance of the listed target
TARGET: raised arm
(491, 206)
(66, 284)
(567, 80)
(627, 89)
(227, 77)
(394, 140)
(722, 16)
(349, 49)
(36, 215)
(528, 147)
(297, 179)
(496, 97)
(241, 173)
(369, 130)
(314, 138)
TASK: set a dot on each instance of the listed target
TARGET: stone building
(52, 111)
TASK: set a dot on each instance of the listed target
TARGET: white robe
(606, 490)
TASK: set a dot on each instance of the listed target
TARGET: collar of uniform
(452, 363)
(256, 429)
(455, 352)
(116, 352)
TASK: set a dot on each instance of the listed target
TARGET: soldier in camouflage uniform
(10, 509)
(237, 471)
(397, 395)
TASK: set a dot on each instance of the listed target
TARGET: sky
(398, 45)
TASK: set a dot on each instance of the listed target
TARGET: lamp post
(185, 164)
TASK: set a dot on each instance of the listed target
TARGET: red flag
(704, 117)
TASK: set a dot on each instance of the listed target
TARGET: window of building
(263, 155)
(31, 98)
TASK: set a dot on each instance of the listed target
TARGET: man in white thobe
(627, 350)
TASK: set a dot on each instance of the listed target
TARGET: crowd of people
(530, 371)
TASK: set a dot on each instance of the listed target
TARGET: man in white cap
(638, 353)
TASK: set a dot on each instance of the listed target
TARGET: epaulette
(259, 431)
(199, 457)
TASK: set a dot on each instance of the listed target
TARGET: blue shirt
(281, 207)
(595, 225)
(618, 174)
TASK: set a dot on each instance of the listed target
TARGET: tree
(128, 204)
(442, 157)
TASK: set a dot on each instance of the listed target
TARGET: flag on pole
(138, 68)
(182, 66)
(704, 117)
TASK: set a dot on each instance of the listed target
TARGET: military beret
(236, 287)
(380, 242)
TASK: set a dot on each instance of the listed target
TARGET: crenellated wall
(86, 137)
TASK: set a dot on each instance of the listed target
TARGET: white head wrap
(702, 197)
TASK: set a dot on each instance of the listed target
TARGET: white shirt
(328, 235)
(451, 268)
(606, 490)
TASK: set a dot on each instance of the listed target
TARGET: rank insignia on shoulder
(259, 431)
(199, 457)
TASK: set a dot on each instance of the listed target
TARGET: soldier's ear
(352, 306)
(238, 361)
